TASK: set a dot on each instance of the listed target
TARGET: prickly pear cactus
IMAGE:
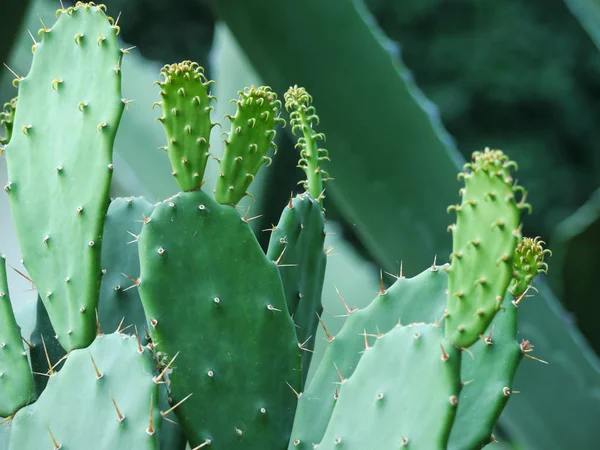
(404, 393)
(59, 163)
(227, 321)
(296, 245)
(186, 106)
(484, 239)
(403, 302)
(489, 369)
(251, 137)
(16, 380)
(104, 397)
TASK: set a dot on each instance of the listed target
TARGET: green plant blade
(588, 13)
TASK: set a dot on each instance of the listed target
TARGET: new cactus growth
(7, 118)
(484, 239)
(529, 262)
(60, 164)
(186, 117)
(251, 137)
(303, 117)
(229, 329)
(491, 367)
(16, 381)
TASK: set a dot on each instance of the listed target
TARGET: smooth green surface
(212, 296)
(70, 103)
(249, 140)
(380, 157)
(488, 372)
(296, 244)
(16, 380)
(484, 239)
(119, 299)
(573, 267)
(403, 393)
(588, 13)
(186, 106)
(418, 299)
(77, 406)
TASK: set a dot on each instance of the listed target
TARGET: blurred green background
(405, 90)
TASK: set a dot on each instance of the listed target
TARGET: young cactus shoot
(303, 118)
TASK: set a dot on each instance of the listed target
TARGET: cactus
(403, 302)
(490, 369)
(16, 381)
(226, 315)
(389, 403)
(296, 245)
(115, 404)
(119, 300)
(230, 328)
(484, 240)
(59, 198)
(252, 135)
(186, 117)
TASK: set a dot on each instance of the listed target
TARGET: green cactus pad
(60, 164)
(488, 373)
(213, 298)
(404, 392)
(121, 263)
(484, 240)
(7, 118)
(297, 245)
(528, 262)
(303, 118)
(252, 135)
(418, 299)
(78, 408)
(186, 117)
(491, 366)
(16, 380)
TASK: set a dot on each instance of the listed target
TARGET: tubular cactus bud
(303, 117)
(186, 117)
(252, 135)
(485, 235)
(7, 118)
(528, 263)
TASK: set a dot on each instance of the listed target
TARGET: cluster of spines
(528, 262)
(303, 118)
(186, 118)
